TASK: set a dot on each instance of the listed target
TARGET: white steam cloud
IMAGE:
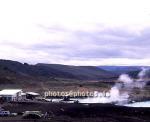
(143, 73)
(115, 94)
(125, 78)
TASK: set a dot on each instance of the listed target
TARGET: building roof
(10, 91)
(33, 93)
(23, 93)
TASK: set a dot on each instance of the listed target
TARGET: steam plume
(115, 92)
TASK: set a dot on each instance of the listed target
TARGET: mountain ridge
(14, 70)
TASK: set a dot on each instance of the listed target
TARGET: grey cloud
(105, 44)
(109, 43)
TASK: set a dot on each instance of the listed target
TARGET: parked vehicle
(13, 114)
(32, 115)
(4, 113)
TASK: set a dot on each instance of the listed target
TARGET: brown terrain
(64, 112)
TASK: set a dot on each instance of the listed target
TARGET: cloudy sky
(76, 32)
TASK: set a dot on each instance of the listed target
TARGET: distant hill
(121, 69)
(15, 71)
(134, 74)
(133, 71)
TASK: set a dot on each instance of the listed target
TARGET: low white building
(11, 94)
(32, 95)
